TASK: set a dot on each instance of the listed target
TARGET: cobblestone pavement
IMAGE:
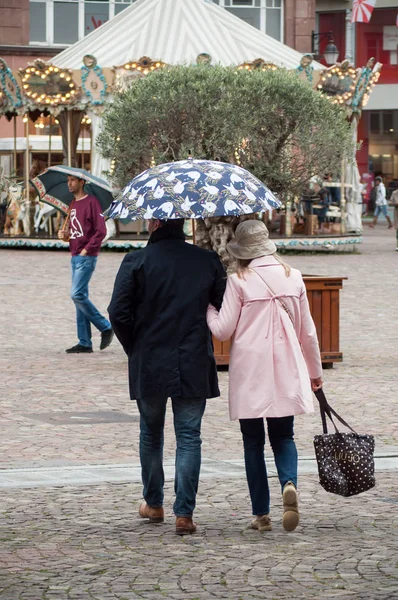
(78, 542)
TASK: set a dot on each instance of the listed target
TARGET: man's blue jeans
(188, 415)
(280, 433)
(86, 313)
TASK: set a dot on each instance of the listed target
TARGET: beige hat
(251, 241)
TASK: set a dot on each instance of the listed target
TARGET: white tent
(175, 32)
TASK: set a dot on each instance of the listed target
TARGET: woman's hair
(242, 265)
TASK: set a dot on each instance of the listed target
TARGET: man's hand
(316, 384)
(63, 235)
(83, 252)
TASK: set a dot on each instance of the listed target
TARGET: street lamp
(331, 52)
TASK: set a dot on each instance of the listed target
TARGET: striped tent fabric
(362, 10)
(176, 32)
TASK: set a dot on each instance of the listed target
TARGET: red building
(378, 128)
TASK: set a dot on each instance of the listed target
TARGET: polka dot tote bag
(345, 460)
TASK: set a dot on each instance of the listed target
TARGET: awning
(383, 97)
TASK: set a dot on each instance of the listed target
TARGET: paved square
(69, 487)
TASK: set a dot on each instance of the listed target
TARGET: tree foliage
(271, 122)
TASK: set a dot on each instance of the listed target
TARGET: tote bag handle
(327, 410)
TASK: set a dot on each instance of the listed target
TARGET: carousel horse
(43, 213)
(17, 217)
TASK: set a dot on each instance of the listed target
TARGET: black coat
(158, 311)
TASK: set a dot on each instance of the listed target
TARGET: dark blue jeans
(280, 433)
(86, 313)
(188, 415)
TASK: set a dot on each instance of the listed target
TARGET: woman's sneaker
(262, 523)
(291, 516)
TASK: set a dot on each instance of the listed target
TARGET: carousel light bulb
(62, 75)
(158, 64)
(88, 121)
(71, 85)
(127, 66)
(56, 70)
(25, 86)
(43, 76)
(25, 120)
(41, 125)
(67, 95)
(134, 65)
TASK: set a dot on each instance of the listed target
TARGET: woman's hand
(316, 384)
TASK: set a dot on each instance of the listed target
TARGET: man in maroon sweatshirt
(85, 231)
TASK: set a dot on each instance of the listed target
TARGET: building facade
(378, 127)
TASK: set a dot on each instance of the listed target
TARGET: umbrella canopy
(192, 189)
(52, 187)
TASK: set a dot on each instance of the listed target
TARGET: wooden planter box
(324, 300)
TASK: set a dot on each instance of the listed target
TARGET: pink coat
(271, 361)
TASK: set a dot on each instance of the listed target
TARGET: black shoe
(106, 338)
(79, 348)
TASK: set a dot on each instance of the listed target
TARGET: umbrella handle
(66, 222)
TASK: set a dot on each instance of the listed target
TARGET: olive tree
(270, 122)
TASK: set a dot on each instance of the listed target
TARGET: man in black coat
(158, 312)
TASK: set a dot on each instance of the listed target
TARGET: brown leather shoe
(154, 515)
(185, 526)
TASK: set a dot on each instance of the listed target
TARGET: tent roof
(176, 31)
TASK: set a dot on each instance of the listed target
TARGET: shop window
(38, 22)
(375, 123)
(66, 22)
(388, 122)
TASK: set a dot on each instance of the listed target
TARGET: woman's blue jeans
(86, 313)
(280, 433)
(188, 415)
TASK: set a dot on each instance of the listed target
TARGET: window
(66, 22)
(375, 122)
(38, 21)
(250, 15)
(95, 14)
(388, 122)
(265, 15)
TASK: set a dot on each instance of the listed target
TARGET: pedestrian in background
(381, 202)
(275, 363)
(85, 229)
(158, 311)
(394, 203)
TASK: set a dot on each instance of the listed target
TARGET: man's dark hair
(378, 178)
(173, 223)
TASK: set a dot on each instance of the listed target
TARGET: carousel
(66, 98)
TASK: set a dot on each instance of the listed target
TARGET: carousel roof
(176, 32)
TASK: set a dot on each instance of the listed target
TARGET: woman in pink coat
(275, 363)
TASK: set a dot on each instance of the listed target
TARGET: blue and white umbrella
(192, 189)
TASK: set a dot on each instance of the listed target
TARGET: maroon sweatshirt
(86, 226)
